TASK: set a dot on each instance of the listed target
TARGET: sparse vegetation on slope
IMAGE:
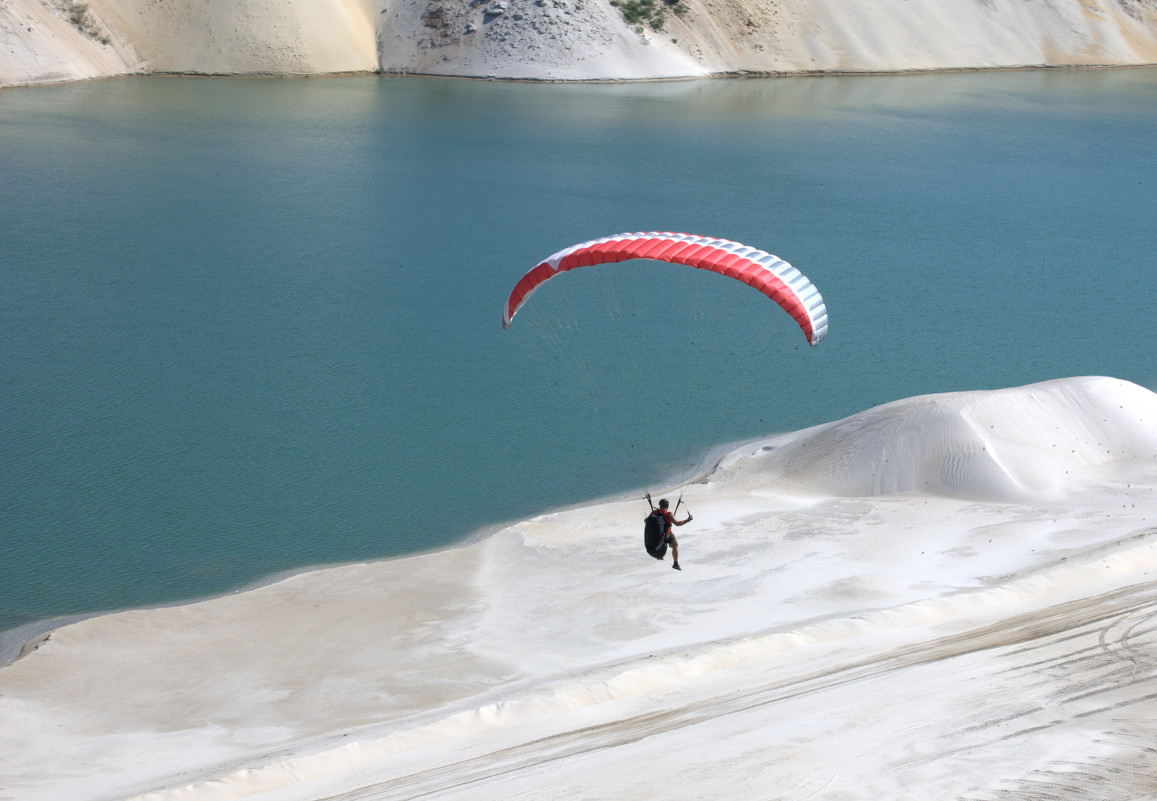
(649, 12)
(78, 15)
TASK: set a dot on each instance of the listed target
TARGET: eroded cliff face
(291, 37)
(57, 40)
(898, 35)
(534, 39)
(43, 41)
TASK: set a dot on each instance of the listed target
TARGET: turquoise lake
(252, 326)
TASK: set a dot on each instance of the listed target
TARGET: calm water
(251, 326)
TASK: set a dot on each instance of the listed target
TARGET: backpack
(654, 531)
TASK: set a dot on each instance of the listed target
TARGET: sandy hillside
(944, 597)
(59, 40)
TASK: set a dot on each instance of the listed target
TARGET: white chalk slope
(944, 597)
(43, 41)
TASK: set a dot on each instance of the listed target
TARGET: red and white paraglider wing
(771, 275)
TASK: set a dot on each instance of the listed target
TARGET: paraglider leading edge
(769, 274)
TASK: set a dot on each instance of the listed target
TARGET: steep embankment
(47, 42)
(58, 40)
(43, 41)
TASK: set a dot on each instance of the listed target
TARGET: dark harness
(655, 534)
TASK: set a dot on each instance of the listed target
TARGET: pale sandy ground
(564, 39)
(947, 597)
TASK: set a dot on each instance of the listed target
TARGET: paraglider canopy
(769, 274)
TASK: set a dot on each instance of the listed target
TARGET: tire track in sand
(1097, 655)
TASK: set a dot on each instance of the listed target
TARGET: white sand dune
(943, 597)
(41, 40)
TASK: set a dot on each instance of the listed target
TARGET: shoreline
(731, 75)
(17, 643)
